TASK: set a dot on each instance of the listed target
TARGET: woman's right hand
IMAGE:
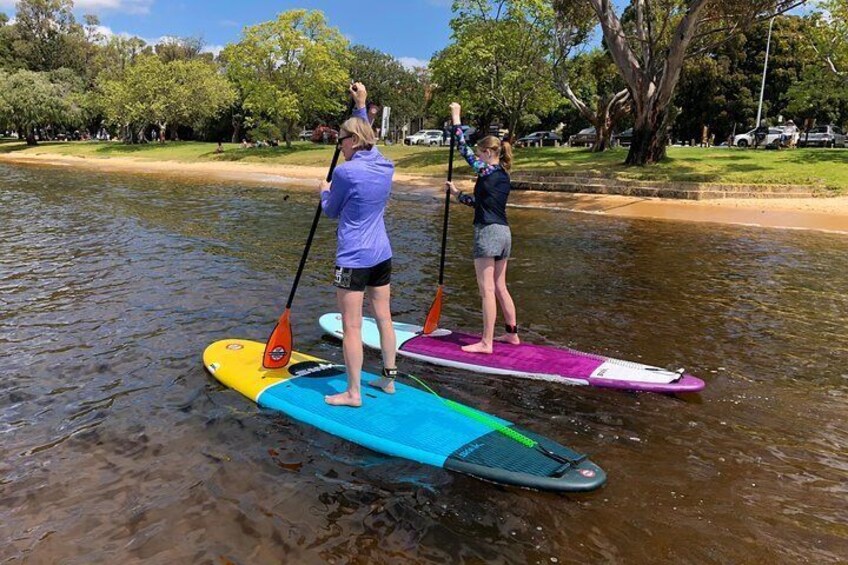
(455, 110)
(360, 95)
(450, 187)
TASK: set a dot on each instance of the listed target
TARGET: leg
(381, 306)
(505, 300)
(350, 304)
(485, 267)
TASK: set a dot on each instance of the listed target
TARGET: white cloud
(87, 6)
(127, 6)
(411, 62)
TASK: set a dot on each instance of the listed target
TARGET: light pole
(765, 66)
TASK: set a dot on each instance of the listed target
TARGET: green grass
(827, 168)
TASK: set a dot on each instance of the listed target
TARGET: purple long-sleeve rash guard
(358, 195)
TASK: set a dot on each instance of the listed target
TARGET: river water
(118, 446)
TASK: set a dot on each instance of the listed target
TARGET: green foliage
(829, 36)
(154, 92)
(29, 100)
(720, 89)
(8, 33)
(289, 69)
(47, 36)
(388, 82)
(499, 63)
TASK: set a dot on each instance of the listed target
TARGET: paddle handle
(447, 212)
(315, 220)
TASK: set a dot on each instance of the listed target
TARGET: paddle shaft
(315, 219)
(312, 230)
(447, 212)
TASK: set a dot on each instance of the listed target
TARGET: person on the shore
(491, 160)
(357, 196)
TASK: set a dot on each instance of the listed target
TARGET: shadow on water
(118, 445)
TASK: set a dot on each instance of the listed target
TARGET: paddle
(278, 349)
(432, 320)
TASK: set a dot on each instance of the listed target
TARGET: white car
(421, 137)
(748, 139)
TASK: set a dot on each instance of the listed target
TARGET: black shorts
(357, 279)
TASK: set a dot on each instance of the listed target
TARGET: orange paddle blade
(278, 350)
(432, 321)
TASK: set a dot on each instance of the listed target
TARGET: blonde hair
(504, 149)
(363, 135)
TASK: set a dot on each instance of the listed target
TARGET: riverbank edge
(796, 212)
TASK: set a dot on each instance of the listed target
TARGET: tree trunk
(30, 136)
(236, 121)
(650, 136)
(287, 127)
(603, 133)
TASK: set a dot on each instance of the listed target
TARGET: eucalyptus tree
(650, 45)
(829, 35)
(47, 35)
(288, 69)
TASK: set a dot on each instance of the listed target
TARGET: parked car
(540, 138)
(823, 136)
(624, 138)
(420, 137)
(324, 134)
(749, 138)
(305, 135)
(433, 138)
(583, 137)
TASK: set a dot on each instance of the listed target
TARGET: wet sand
(819, 214)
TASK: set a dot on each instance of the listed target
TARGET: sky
(410, 30)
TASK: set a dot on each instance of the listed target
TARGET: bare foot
(509, 338)
(344, 399)
(480, 347)
(386, 385)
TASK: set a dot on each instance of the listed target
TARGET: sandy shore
(820, 214)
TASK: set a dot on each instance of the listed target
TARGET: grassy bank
(821, 167)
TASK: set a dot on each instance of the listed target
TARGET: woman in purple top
(357, 196)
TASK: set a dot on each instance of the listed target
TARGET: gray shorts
(492, 240)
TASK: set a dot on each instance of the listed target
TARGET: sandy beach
(820, 214)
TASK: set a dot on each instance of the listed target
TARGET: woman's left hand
(324, 186)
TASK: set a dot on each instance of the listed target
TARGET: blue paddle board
(412, 424)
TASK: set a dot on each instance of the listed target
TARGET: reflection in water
(116, 444)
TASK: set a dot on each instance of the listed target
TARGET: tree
(389, 83)
(720, 89)
(650, 45)
(601, 85)
(165, 94)
(588, 77)
(117, 54)
(829, 35)
(181, 49)
(48, 36)
(30, 100)
(288, 69)
(499, 63)
(7, 38)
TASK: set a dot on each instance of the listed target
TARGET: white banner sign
(384, 126)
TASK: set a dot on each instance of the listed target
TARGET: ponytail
(506, 155)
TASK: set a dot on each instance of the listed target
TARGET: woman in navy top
(357, 196)
(491, 160)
